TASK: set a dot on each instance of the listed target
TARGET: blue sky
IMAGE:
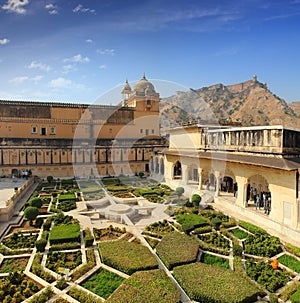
(75, 51)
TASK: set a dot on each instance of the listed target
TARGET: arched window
(177, 170)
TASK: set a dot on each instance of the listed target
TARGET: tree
(141, 174)
(30, 213)
(36, 202)
(40, 244)
(196, 199)
(49, 179)
(179, 191)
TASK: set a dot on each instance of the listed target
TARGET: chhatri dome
(126, 88)
(144, 87)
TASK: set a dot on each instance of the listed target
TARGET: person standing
(257, 205)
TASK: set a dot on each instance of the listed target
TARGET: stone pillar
(217, 177)
(200, 178)
(184, 173)
(242, 191)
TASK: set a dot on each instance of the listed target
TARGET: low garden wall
(7, 211)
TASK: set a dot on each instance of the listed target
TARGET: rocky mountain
(247, 103)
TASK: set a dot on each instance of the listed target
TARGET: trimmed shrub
(41, 244)
(179, 191)
(196, 199)
(31, 213)
(36, 202)
(216, 284)
(88, 238)
(147, 286)
(128, 257)
(176, 249)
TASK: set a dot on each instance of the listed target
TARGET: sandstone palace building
(62, 139)
(234, 165)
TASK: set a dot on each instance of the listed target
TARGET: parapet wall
(240, 86)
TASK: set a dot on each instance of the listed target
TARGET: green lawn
(238, 233)
(103, 283)
(65, 233)
(290, 262)
(216, 261)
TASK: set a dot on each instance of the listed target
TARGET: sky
(77, 51)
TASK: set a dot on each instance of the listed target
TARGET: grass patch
(238, 233)
(210, 284)
(65, 233)
(68, 196)
(290, 262)
(215, 260)
(252, 228)
(295, 297)
(176, 249)
(103, 283)
(148, 286)
(127, 257)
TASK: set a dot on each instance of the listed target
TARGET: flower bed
(216, 240)
(10, 264)
(262, 245)
(210, 284)
(108, 233)
(128, 257)
(66, 205)
(19, 240)
(176, 249)
(103, 283)
(160, 227)
(59, 260)
(191, 221)
(264, 274)
(16, 287)
(290, 262)
(149, 286)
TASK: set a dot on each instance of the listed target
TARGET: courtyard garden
(211, 255)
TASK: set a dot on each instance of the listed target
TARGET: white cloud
(4, 41)
(77, 59)
(68, 68)
(89, 41)
(107, 51)
(37, 78)
(19, 80)
(64, 84)
(103, 66)
(80, 9)
(15, 6)
(52, 9)
(39, 65)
